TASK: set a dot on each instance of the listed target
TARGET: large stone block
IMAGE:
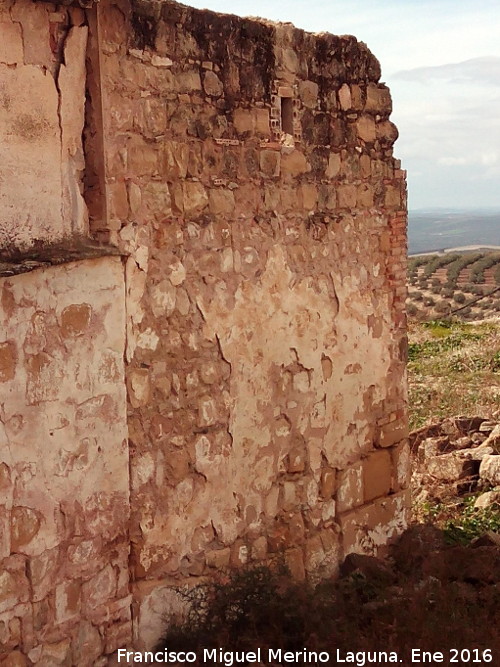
(270, 163)
(368, 528)
(490, 469)
(377, 475)
(221, 202)
(350, 487)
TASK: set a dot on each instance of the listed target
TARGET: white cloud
(452, 161)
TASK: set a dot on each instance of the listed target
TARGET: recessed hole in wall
(287, 115)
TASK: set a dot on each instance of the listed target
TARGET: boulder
(450, 467)
(489, 470)
(487, 499)
(371, 568)
(493, 440)
(478, 565)
(477, 453)
(488, 539)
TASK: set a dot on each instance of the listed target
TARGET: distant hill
(439, 229)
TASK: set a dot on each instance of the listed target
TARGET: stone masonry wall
(256, 334)
(249, 175)
(42, 103)
(64, 487)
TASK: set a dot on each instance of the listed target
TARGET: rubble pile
(457, 456)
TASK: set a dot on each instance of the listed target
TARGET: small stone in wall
(221, 202)
(177, 273)
(377, 474)
(218, 558)
(25, 524)
(308, 92)
(270, 163)
(328, 483)
(345, 97)
(7, 361)
(75, 319)
(161, 61)
(212, 85)
(139, 387)
(296, 460)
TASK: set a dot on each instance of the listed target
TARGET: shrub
(261, 608)
(472, 522)
(460, 263)
(437, 262)
(442, 307)
(478, 269)
(497, 274)
(459, 297)
(415, 262)
(411, 309)
(429, 301)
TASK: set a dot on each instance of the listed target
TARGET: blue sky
(441, 59)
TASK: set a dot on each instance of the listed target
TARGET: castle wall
(64, 487)
(250, 176)
(252, 349)
(42, 104)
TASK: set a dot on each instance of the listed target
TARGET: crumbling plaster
(265, 293)
(64, 489)
(250, 342)
(42, 101)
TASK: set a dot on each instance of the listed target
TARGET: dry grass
(453, 369)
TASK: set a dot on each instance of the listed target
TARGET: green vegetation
(478, 269)
(460, 521)
(478, 263)
(438, 262)
(427, 275)
(454, 368)
(497, 274)
(472, 523)
(459, 264)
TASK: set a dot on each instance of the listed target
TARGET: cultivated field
(465, 285)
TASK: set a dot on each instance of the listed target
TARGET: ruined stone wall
(42, 104)
(64, 487)
(246, 171)
(249, 174)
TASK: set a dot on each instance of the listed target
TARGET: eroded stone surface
(64, 491)
(266, 334)
(42, 101)
(246, 171)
